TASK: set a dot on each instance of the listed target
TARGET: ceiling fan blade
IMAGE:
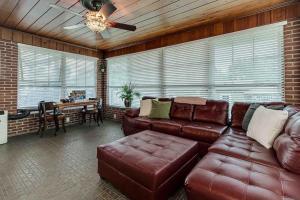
(64, 10)
(122, 26)
(107, 10)
(74, 26)
(105, 34)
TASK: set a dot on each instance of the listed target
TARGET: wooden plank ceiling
(152, 18)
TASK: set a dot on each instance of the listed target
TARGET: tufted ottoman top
(148, 157)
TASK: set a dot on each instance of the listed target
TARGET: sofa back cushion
(287, 145)
(239, 110)
(214, 111)
(182, 111)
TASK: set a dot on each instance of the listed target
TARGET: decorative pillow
(266, 124)
(160, 109)
(252, 108)
(145, 108)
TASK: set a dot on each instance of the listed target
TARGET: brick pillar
(8, 76)
(292, 61)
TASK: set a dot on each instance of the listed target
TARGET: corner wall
(292, 61)
(9, 76)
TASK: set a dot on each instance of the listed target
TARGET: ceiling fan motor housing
(93, 5)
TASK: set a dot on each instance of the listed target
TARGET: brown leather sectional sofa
(204, 124)
(234, 166)
(238, 167)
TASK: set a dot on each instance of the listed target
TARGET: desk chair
(48, 112)
(95, 112)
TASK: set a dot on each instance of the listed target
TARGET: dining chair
(94, 112)
(49, 113)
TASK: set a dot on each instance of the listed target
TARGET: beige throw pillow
(145, 107)
(266, 124)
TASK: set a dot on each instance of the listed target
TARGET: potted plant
(127, 94)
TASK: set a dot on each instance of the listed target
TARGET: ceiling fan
(96, 19)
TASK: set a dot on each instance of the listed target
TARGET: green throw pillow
(160, 110)
(248, 116)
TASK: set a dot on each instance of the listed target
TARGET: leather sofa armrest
(132, 112)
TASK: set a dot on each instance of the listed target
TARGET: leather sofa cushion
(236, 131)
(203, 131)
(238, 112)
(182, 111)
(172, 127)
(214, 111)
(287, 145)
(132, 112)
(148, 157)
(134, 125)
(218, 177)
(243, 147)
(143, 123)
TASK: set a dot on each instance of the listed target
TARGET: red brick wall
(30, 124)
(8, 92)
(292, 61)
(8, 75)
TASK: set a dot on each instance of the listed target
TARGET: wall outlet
(67, 119)
(115, 116)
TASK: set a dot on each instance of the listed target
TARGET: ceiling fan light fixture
(95, 21)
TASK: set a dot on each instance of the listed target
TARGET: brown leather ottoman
(147, 165)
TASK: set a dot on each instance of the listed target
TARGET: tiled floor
(58, 168)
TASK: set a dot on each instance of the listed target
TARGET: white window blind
(50, 75)
(248, 66)
(244, 66)
(143, 70)
(80, 74)
(186, 69)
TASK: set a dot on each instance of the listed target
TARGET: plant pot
(127, 103)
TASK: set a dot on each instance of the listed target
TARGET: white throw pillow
(145, 108)
(266, 124)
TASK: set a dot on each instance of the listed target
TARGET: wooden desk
(83, 104)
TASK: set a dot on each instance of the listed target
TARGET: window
(50, 75)
(243, 66)
(248, 66)
(143, 70)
